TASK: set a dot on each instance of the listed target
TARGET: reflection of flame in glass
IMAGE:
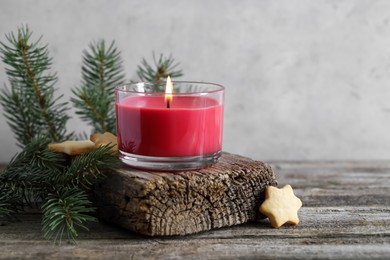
(129, 146)
(168, 92)
(141, 87)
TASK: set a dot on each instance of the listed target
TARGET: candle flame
(168, 92)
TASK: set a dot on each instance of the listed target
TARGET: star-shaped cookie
(104, 139)
(281, 206)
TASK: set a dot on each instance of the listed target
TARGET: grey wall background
(305, 80)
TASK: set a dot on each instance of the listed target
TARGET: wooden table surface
(345, 215)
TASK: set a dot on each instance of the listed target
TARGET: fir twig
(67, 205)
(25, 177)
(101, 71)
(160, 70)
(30, 106)
(58, 181)
(64, 211)
(86, 169)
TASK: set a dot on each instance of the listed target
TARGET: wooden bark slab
(167, 203)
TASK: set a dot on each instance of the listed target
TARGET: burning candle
(179, 129)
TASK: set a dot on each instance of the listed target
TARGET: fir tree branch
(67, 205)
(30, 106)
(58, 180)
(65, 211)
(101, 71)
(87, 169)
(25, 177)
(162, 68)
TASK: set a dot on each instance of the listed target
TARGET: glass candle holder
(181, 130)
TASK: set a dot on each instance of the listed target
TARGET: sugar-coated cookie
(281, 206)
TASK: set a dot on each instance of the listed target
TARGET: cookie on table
(281, 206)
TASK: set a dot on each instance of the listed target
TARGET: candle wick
(168, 103)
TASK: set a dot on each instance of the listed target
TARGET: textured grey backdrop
(305, 80)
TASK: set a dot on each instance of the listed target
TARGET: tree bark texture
(178, 203)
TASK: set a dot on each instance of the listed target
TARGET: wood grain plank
(353, 232)
(345, 215)
(337, 183)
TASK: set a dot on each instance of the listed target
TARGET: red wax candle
(191, 126)
(180, 129)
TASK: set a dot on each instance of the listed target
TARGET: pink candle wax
(191, 126)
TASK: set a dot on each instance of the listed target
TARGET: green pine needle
(10, 202)
(102, 71)
(64, 211)
(27, 173)
(87, 169)
(30, 106)
(38, 174)
(160, 70)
